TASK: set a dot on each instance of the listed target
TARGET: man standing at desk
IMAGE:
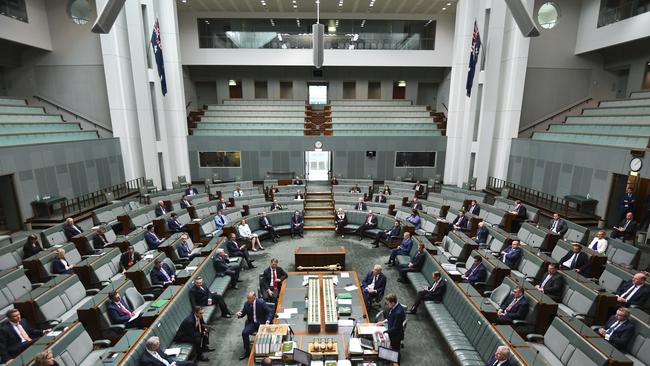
(394, 321)
(256, 311)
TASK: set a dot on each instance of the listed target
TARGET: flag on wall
(473, 58)
(157, 50)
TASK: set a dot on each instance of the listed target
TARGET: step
(319, 208)
(319, 199)
(320, 227)
(319, 217)
(319, 193)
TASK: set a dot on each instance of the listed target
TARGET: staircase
(319, 206)
(318, 122)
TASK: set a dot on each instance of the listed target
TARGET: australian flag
(157, 50)
(473, 58)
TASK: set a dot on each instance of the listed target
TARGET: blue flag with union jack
(157, 51)
(473, 58)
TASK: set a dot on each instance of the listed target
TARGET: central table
(319, 257)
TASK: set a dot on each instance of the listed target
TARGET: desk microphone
(536, 355)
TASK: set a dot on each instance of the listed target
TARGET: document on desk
(345, 301)
(284, 315)
(345, 275)
(291, 310)
(54, 333)
(350, 288)
(135, 316)
(191, 268)
(173, 351)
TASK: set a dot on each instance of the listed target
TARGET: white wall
(35, 32)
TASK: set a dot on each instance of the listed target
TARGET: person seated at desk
(415, 204)
(256, 312)
(433, 293)
(414, 265)
(150, 237)
(626, 229)
(297, 224)
(419, 189)
(238, 192)
(373, 285)
(393, 231)
(403, 249)
(129, 258)
(194, 330)
(334, 181)
(552, 284)
(380, 198)
(45, 358)
(220, 220)
(355, 189)
(599, 243)
(266, 224)
(576, 259)
(459, 223)
(558, 226)
(481, 234)
(185, 202)
(474, 208)
(298, 196)
(272, 279)
(340, 220)
(223, 267)
(71, 230)
(296, 181)
(153, 356)
(174, 225)
(275, 206)
(236, 250)
(161, 209)
(618, 330)
(501, 357)
(273, 189)
(60, 265)
(100, 241)
(634, 292)
(119, 312)
(415, 219)
(520, 216)
(17, 334)
(248, 236)
(200, 295)
(222, 205)
(360, 205)
(394, 321)
(369, 223)
(476, 273)
(386, 190)
(511, 255)
(162, 274)
(32, 246)
(514, 307)
(191, 191)
(183, 250)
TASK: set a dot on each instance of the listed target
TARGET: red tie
(124, 309)
(274, 278)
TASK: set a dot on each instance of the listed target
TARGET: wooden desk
(46, 207)
(318, 257)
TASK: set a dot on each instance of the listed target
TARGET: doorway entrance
(317, 165)
(10, 218)
(317, 93)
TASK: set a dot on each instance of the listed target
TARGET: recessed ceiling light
(184, 1)
(443, 9)
(448, 4)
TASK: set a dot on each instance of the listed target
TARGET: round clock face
(318, 144)
(635, 164)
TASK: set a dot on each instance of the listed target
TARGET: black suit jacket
(98, 242)
(380, 199)
(562, 227)
(380, 284)
(221, 265)
(266, 278)
(622, 335)
(438, 292)
(474, 210)
(476, 275)
(395, 324)
(262, 311)
(341, 222)
(157, 278)
(640, 296)
(460, 221)
(124, 259)
(188, 330)
(630, 230)
(420, 189)
(261, 221)
(160, 210)
(581, 262)
(373, 221)
(360, 206)
(553, 287)
(116, 315)
(493, 359)
(59, 268)
(185, 204)
(521, 213)
(276, 206)
(518, 310)
(148, 360)
(199, 296)
(417, 206)
(418, 260)
(30, 250)
(191, 191)
(11, 338)
(69, 231)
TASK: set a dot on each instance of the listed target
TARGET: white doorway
(317, 165)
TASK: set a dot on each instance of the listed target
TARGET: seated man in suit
(162, 274)
(17, 334)
(31, 247)
(185, 202)
(256, 312)
(403, 249)
(153, 356)
(373, 285)
(174, 225)
(222, 205)
(419, 189)
(475, 273)
(380, 198)
(340, 220)
(129, 258)
(334, 181)
(223, 267)
(119, 312)
(481, 234)
(153, 241)
(355, 189)
(576, 259)
(272, 281)
(634, 292)
(474, 208)
(60, 265)
(369, 223)
(626, 229)
(296, 181)
(415, 204)
(297, 224)
(161, 209)
(414, 265)
(501, 357)
(100, 241)
(618, 330)
(558, 226)
(236, 250)
(184, 250)
(200, 295)
(394, 231)
(191, 191)
(238, 192)
(194, 330)
(511, 255)
(520, 216)
(266, 224)
(599, 243)
(552, 283)
(70, 229)
(514, 307)
(394, 321)
(275, 206)
(360, 205)
(298, 196)
(220, 220)
(459, 223)
(433, 293)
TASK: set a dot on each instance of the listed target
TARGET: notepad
(172, 351)
(345, 275)
(159, 303)
(349, 288)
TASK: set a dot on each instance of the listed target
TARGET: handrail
(74, 113)
(93, 199)
(188, 104)
(555, 114)
(529, 195)
(444, 106)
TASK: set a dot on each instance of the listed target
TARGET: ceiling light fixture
(232, 83)
(443, 9)
(448, 4)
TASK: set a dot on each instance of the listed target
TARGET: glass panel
(295, 33)
(612, 11)
(219, 159)
(415, 159)
(14, 9)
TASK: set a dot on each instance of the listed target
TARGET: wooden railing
(92, 200)
(528, 195)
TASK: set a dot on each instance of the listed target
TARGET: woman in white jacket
(246, 234)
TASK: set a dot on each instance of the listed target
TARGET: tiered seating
(21, 124)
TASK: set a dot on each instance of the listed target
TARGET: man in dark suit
(161, 209)
(162, 274)
(627, 202)
(18, 334)
(373, 285)
(415, 204)
(194, 330)
(514, 307)
(618, 330)
(380, 198)
(552, 283)
(634, 292)
(275, 206)
(222, 205)
(266, 224)
(414, 265)
(459, 223)
(481, 234)
(433, 293)
(129, 258)
(474, 208)
(419, 189)
(191, 191)
(183, 250)
(511, 255)
(369, 223)
(394, 231)
(185, 202)
(153, 241)
(236, 250)
(100, 241)
(272, 281)
(153, 356)
(403, 249)
(355, 189)
(297, 224)
(200, 295)
(70, 229)
(501, 357)
(394, 321)
(558, 226)
(174, 225)
(298, 195)
(576, 259)
(340, 220)
(119, 312)
(475, 273)
(296, 181)
(626, 229)
(360, 205)
(520, 216)
(256, 312)
(223, 267)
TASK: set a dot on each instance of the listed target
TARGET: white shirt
(601, 245)
(627, 295)
(548, 277)
(15, 326)
(238, 193)
(568, 262)
(273, 275)
(157, 357)
(245, 230)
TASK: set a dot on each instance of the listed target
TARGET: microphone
(535, 359)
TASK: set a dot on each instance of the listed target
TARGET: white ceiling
(419, 7)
